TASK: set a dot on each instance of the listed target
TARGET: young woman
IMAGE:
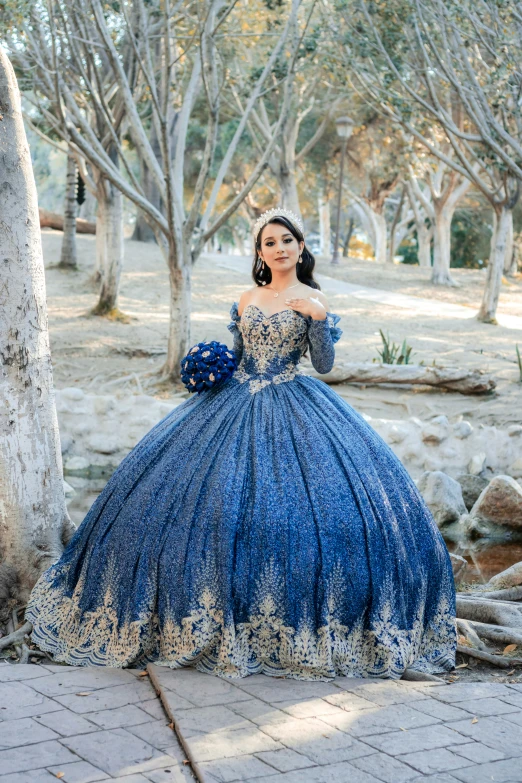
(263, 525)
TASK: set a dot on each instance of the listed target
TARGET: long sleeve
(233, 327)
(322, 335)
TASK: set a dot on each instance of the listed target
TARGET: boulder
(515, 469)
(443, 496)
(472, 486)
(436, 430)
(462, 429)
(500, 503)
(476, 463)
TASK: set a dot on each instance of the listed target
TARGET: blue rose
(206, 365)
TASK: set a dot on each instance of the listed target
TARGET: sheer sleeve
(322, 335)
(233, 327)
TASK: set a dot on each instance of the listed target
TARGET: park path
(81, 725)
(416, 305)
(88, 724)
(350, 730)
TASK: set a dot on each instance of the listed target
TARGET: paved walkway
(81, 725)
(414, 304)
(272, 730)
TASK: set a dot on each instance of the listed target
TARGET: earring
(300, 259)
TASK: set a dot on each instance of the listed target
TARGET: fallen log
(463, 381)
(55, 220)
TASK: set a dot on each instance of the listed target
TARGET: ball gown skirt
(261, 526)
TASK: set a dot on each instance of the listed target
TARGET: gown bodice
(269, 347)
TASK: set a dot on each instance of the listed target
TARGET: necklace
(284, 289)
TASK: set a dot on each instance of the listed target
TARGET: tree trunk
(179, 326)
(424, 245)
(35, 522)
(112, 211)
(349, 232)
(288, 186)
(100, 258)
(499, 239)
(324, 226)
(393, 243)
(69, 257)
(510, 262)
(442, 246)
(380, 237)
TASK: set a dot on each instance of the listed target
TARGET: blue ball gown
(262, 526)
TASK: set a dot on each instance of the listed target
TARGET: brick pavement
(271, 730)
(81, 725)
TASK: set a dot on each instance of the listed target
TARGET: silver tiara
(266, 217)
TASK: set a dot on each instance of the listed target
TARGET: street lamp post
(344, 131)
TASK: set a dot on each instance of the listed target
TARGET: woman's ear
(301, 246)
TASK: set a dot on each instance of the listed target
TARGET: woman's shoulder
(246, 298)
(315, 293)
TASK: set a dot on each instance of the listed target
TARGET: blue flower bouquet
(206, 365)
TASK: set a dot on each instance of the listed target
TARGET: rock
(443, 496)
(462, 429)
(74, 464)
(436, 430)
(515, 469)
(396, 433)
(66, 442)
(472, 486)
(72, 393)
(103, 444)
(103, 404)
(514, 430)
(500, 503)
(476, 463)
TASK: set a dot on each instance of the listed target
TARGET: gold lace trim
(262, 644)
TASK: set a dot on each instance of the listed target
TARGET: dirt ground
(123, 358)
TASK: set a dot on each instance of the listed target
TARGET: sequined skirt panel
(271, 532)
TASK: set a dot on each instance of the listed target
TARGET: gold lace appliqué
(265, 643)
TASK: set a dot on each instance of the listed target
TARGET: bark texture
(109, 246)
(34, 518)
(69, 256)
(499, 240)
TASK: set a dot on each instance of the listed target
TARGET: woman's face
(279, 249)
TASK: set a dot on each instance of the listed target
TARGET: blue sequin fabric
(261, 526)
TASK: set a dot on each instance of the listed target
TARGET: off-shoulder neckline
(286, 310)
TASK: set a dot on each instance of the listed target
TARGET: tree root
(16, 636)
(24, 654)
(502, 661)
(466, 629)
(489, 611)
(508, 594)
(496, 633)
(510, 578)
(411, 674)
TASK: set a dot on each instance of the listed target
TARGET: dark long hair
(304, 269)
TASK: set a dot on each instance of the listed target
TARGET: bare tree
(34, 519)
(424, 72)
(165, 54)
